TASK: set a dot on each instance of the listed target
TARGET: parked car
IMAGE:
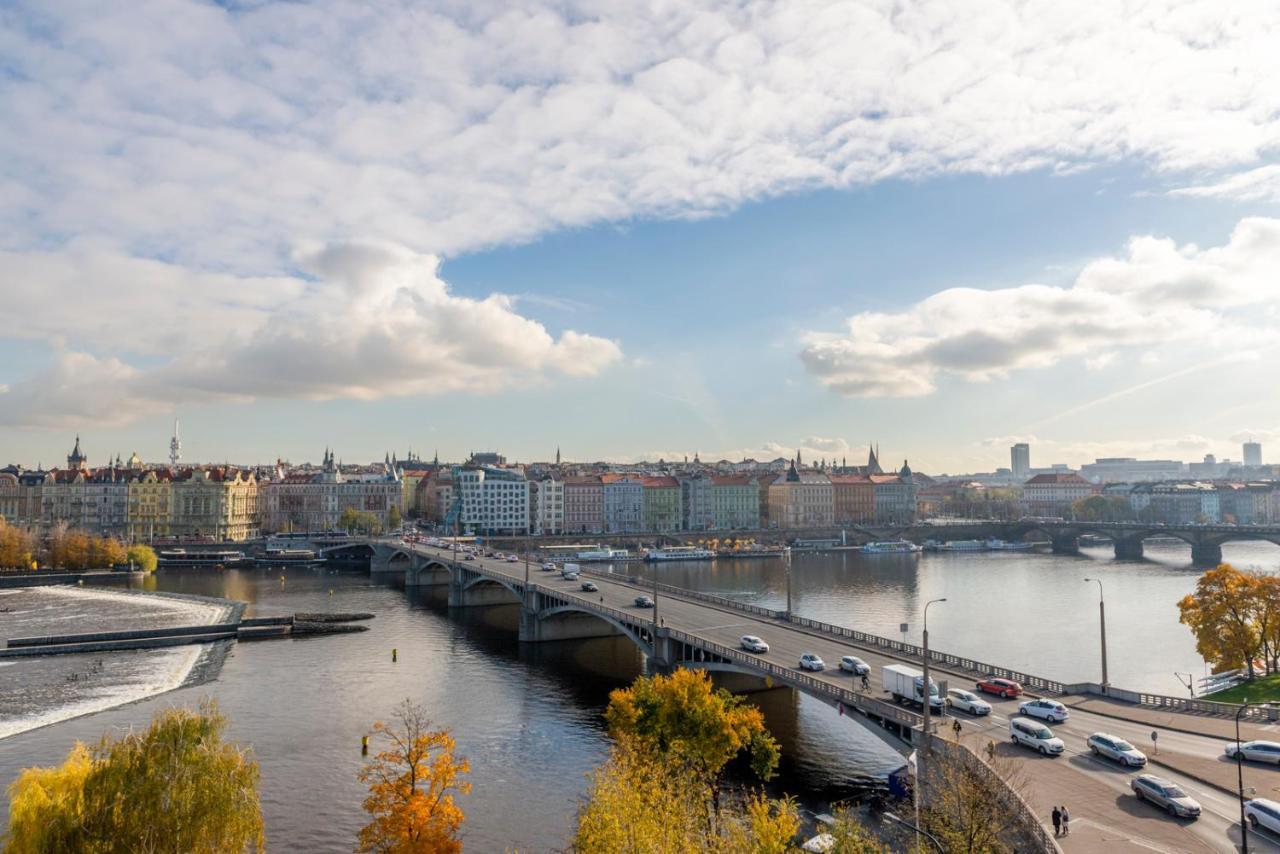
(810, 661)
(1256, 751)
(1114, 747)
(967, 701)
(1006, 688)
(751, 643)
(853, 664)
(1037, 736)
(1050, 710)
(1263, 812)
(643, 602)
(590, 587)
(1165, 794)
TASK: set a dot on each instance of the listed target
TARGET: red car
(1006, 688)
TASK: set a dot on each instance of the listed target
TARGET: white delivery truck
(570, 572)
(905, 684)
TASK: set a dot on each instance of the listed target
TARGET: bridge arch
(477, 580)
(631, 632)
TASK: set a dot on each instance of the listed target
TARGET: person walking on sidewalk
(1066, 821)
(1057, 822)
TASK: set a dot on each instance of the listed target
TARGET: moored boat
(678, 553)
(891, 547)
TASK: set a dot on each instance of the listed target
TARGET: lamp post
(1102, 628)
(788, 572)
(1244, 825)
(920, 831)
(926, 697)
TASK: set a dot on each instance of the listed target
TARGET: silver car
(1256, 751)
(1116, 748)
(958, 698)
(853, 664)
(1165, 794)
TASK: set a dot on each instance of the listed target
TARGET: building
(583, 505)
(1132, 470)
(1176, 502)
(315, 501)
(1020, 460)
(151, 504)
(435, 495)
(661, 503)
(801, 500)
(215, 502)
(895, 496)
(548, 506)
(714, 502)
(1053, 494)
(493, 500)
(623, 503)
(1252, 454)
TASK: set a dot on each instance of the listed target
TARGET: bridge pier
(427, 576)
(1066, 544)
(1129, 549)
(1206, 554)
(479, 595)
(570, 626)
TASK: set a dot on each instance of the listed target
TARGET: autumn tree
(394, 519)
(683, 719)
(412, 783)
(16, 547)
(174, 788)
(971, 807)
(142, 556)
(1222, 613)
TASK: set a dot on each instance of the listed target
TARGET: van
(1037, 736)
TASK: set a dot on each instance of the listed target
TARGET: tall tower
(175, 447)
(1252, 453)
(1020, 460)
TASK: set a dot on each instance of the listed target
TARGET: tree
(683, 719)
(394, 519)
(1221, 614)
(175, 787)
(969, 807)
(849, 836)
(16, 550)
(412, 783)
(142, 556)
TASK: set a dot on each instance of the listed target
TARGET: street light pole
(788, 571)
(920, 831)
(924, 689)
(1244, 825)
(1102, 628)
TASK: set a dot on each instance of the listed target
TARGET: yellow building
(150, 505)
(215, 503)
(801, 500)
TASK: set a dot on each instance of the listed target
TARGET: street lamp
(1244, 825)
(1102, 627)
(920, 831)
(924, 689)
(788, 572)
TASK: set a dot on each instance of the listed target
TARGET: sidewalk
(1219, 773)
(1206, 725)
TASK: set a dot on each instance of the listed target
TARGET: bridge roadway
(1104, 810)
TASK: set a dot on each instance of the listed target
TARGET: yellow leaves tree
(412, 783)
(16, 550)
(683, 719)
(174, 788)
(142, 556)
(1223, 615)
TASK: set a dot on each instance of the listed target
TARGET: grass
(1261, 690)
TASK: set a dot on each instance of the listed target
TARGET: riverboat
(288, 557)
(995, 545)
(963, 546)
(678, 553)
(599, 555)
(214, 558)
(891, 547)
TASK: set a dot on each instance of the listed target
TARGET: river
(528, 719)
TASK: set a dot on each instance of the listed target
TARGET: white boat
(182, 557)
(1006, 546)
(280, 557)
(963, 546)
(679, 553)
(891, 547)
(603, 554)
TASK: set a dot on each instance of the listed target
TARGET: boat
(996, 545)
(891, 547)
(291, 557)
(182, 557)
(604, 555)
(678, 553)
(963, 546)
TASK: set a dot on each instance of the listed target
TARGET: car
(810, 661)
(1264, 813)
(590, 587)
(751, 643)
(853, 664)
(1165, 794)
(643, 602)
(468, 556)
(548, 567)
(1050, 710)
(1006, 688)
(967, 701)
(513, 559)
(1116, 748)
(1037, 736)
(1256, 751)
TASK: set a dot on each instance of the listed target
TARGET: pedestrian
(1057, 822)
(1066, 821)
(955, 727)
(866, 683)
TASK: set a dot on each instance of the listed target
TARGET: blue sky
(638, 234)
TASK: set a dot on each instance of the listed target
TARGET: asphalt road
(1096, 790)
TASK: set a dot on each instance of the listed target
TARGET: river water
(528, 719)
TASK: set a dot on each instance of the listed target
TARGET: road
(1105, 812)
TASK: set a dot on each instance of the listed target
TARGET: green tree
(175, 787)
(683, 719)
(394, 519)
(142, 556)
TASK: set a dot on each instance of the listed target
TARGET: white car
(967, 701)
(853, 664)
(512, 559)
(810, 661)
(751, 643)
(1115, 747)
(1262, 812)
(548, 567)
(1256, 751)
(1049, 710)
(1035, 735)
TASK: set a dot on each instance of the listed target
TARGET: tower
(1020, 460)
(557, 455)
(175, 446)
(75, 459)
(1252, 453)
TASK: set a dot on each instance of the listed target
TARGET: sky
(639, 231)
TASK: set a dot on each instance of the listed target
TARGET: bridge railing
(851, 699)
(1189, 705)
(685, 593)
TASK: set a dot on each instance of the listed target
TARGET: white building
(548, 506)
(494, 500)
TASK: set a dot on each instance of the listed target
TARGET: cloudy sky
(644, 229)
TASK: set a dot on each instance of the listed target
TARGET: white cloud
(1252, 185)
(1159, 293)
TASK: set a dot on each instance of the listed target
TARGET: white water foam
(200, 613)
